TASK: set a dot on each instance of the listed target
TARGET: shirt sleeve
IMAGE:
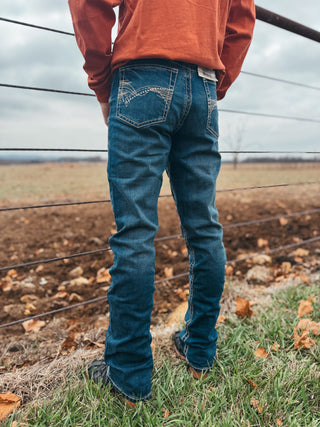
(239, 31)
(92, 22)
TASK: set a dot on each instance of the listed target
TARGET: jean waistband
(163, 61)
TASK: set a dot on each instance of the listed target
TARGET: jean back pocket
(145, 93)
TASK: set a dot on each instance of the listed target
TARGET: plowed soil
(39, 234)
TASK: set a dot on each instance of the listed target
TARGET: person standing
(158, 90)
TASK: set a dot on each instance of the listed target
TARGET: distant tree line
(21, 160)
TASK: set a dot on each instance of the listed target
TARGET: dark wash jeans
(163, 116)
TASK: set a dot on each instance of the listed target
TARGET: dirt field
(38, 234)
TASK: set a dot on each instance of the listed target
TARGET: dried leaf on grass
(42, 379)
(309, 325)
(275, 346)
(68, 345)
(255, 403)
(165, 413)
(92, 344)
(279, 422)
(305, 307)
(33, 325)
(303, 340)
(8, 403)
(221, 319)
(243, 307)
(261, 352)
(253, 384)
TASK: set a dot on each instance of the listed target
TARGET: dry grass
(42, 379)
(88, 181)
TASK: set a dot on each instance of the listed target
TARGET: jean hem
(200, 370)
(122, 393)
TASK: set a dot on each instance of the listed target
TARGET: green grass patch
(287, 381)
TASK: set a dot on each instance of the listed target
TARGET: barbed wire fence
(263, 15)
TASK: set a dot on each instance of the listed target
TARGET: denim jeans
(163, 116)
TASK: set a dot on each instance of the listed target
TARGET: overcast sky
(33, 57)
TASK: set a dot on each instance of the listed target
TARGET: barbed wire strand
(276, 79)
(248, 113)
(39, 27)
(273, 116)
(88, 150)
(51, 205)
(272, 218)
(177, 276)
(158, 239)
(47, 261)
(42, 89)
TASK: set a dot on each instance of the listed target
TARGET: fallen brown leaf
(253, 384)
(275, 346)
(30, 307)
(29, 298)
(61, 295)
(168, 272)
(305, 307)
(229, 270)
(6, 285)
(305, 279)
(103, 275)
(8, 403)
(76, 272)
(68, 345)
(262, 242)
(12, 273)
(183, 294)
(300, 252)
(286, 267)
(165, 413)
(221, 319)
(39, 268)
(303, 340)
(279, 422)
(33, 325)
(283, 221)
(75, 297)
(243, 307)
(309, 325)
(92, 344)
(79, 281)
(184, 251)
(261, 352)
(255, 403)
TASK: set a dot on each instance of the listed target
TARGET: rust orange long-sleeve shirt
(214, 34)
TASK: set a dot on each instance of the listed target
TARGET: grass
(88, 181)
(287, 381)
